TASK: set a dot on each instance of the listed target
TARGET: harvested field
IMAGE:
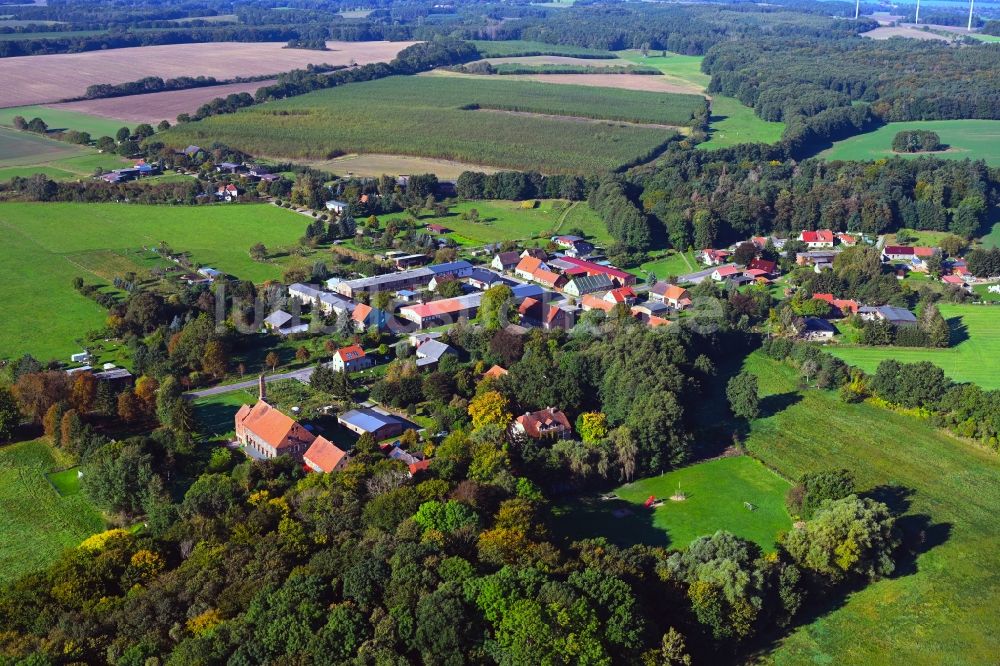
(374, 165)
(557, 60)
(886, 32)
(153, 107)
(51, 78)
(620, 81)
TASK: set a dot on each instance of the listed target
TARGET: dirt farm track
(51, 78)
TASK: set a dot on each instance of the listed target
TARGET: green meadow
(47, 245)
(60, 119)
(939, 608)
(717, 494)
(669, 263)
(501, 220)
(975, 329)
(972, 139)
(38, 521)
(25, 153)
(731, 122)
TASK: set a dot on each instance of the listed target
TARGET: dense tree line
(715, 198)
(517, 185)
(823, 87)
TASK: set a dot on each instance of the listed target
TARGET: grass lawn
(716, 492)
(975, 327)
(215, 414)
(973, 139)
(36, 523)
(940, 608)
(731, 122)
(932, 238)
(670, 263)
(59, 119)
(501, 220)
(46, 245)
(66, 482)
(992, 239)
(26, 153)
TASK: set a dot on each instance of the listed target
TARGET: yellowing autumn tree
(490, 408)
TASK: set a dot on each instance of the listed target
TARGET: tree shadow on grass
(778, 402)
(958, 332)
(620, 522)
(918, 532)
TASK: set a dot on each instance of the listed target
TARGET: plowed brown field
(51, 78)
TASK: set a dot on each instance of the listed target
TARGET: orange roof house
(592, 302)
(495, 372)
(324, 456)
(544, 423)
(268, 432)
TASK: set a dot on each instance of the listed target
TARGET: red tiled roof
(324, 454)
(548, 278)
(726, 271)
(952, 279)
(923, 251)
(669, 291)
(592, 269)
(352, 353)
(763, 265)
(592, 302)
(361, 312)
(528, 264)
(655, 321)
(436, 308)
(820, 236)
(619, 295)
(419, 466)
(898, 249)
(273, 427)
(527, 305)
(545, 419)
(495, 372)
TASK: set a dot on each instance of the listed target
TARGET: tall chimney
(262, 387)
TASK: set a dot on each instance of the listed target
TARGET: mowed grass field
(973, 359)
(26, 153)
(47, 245)
(938, 609)
(506, 220)
(64, 119)
(731, 122)
(966, 139)
(456, 118)
(36, 522)
(716, 495)
(667, 264)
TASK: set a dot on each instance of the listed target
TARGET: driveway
(301, 375)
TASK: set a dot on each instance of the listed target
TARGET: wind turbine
(917, 20)
(972, 3)
(857, 8)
